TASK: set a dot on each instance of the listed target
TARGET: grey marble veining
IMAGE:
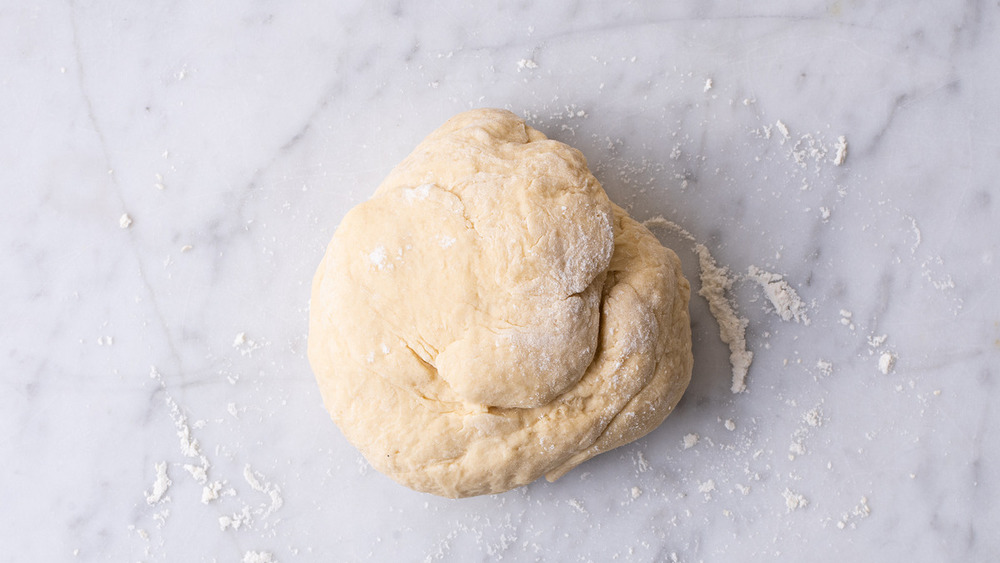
(234, 136)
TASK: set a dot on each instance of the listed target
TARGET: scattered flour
(886, 362)
(210, 491)
(707, 486)
(783, 129)
(661, 222)
(259, 484)
(861, 510)
(715, 282)
(160, 485)
(641, 463)
(258, 557)
(794, 501)
(189, 445)
(786, 301)
(245, 344)
(845, 318)
(877, 341)
(841, 148)
(916, 234)
(814, 417)
(526, 64)
(125, 221)
(237, 520)
(198, 472)
(690, 440)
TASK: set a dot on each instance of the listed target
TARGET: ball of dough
(489, 316)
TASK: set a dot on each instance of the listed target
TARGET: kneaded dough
(489, 316)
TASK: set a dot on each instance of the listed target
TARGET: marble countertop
(173, 171)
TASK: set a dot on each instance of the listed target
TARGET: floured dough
(489, 316)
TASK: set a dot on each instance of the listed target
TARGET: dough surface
(489, 316)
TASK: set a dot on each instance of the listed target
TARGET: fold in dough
(489, 316)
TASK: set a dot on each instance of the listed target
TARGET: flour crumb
(259, 557)
(259, 484)
(189, 445)
(690, 440)
(786, 301)
(861, 510)
(715, 282)
(916, 234)
(636, 492)
(783, 129)
(886, 362)
(730, 425)
(186, 248)
(845, 318)
(841, 148)
(160, 485)
(794, 501)
(198, 472)
(526, 64)
(707, 486)
(708, 84)
(814, 417)
(245, 345)
(125, 221)
(210, 492)
(237, 520)
(825, 367)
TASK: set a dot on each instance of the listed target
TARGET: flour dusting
(661, 222)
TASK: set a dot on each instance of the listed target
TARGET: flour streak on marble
(235, 136)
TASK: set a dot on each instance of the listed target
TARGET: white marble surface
(235, 136)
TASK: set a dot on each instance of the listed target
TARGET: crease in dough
(552, 326)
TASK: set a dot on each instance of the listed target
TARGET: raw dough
(489, 316)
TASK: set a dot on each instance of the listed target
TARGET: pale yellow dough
(489, 316)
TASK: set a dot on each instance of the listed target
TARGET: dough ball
(489, 316)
